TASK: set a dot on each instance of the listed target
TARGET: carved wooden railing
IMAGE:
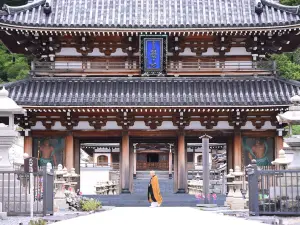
(132, 67)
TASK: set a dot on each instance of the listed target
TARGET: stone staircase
(141, 175)
(140, 184)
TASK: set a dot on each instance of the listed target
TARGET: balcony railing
(132, 67)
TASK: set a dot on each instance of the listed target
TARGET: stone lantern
(8, 134)
(282, 160)
(291, 117)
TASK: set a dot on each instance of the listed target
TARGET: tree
(12, 66)
(288, 64)
(13, 2)
(290, 2)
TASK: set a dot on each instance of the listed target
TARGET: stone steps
(141, 186)
(140, 200)
(146, 175)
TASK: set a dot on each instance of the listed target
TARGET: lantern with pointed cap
(292, 116)
(8, 134)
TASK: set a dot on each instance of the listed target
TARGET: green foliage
(13, 2)
(37, 222)
(290, 2)
(296, 129)
(90, 204)
(12, 66)
(288, 64)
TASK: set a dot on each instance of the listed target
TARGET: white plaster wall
(96, 52)
(119, 52)
(238, 51)
(68, 52)
(96, 155)
(201, 167)
(187, 52)
(166, 125)
(210, 52)
(89, 178)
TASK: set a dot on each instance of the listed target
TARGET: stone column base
(60, 204)
(237, 204)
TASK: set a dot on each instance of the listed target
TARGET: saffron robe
(154, 191)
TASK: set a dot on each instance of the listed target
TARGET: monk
(154, 196)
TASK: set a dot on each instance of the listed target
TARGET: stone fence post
(252, 173)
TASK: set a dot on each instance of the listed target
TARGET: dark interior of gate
(101, 159)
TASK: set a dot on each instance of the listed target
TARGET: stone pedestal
(238, 202)
(292, 151)
(7, 138)
(59, 188)
(3, 215)
(229, 197)
(8, 108)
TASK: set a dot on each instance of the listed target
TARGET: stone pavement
(152, 216)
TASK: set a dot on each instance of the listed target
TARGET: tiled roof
(151, 14)
(205, 91)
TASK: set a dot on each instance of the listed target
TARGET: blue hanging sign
(153, 55)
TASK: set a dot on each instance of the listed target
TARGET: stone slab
(3, 216)
(166, 215)
(207, 205)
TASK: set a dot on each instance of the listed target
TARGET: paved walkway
(156, 216)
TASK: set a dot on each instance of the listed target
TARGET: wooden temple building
(156, 72)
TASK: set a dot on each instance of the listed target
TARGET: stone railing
(107, 188)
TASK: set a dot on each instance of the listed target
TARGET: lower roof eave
(151, 107)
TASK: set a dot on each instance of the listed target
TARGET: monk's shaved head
(152, 172)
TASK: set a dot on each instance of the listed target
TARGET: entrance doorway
(152, 157)
(99, 166)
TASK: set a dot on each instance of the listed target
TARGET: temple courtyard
(159, 215)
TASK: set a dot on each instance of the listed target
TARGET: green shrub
(90, 204)
(37, 222)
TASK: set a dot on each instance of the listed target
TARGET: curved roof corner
(125, 15)
(16, 9)
(289, 9)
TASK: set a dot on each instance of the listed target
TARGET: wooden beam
(237, 149)
(48, 133)
(230, 154)
(28, 145)
(278, 146)
(69, 152)
(182, 173)
(125, 170)
(98, 133)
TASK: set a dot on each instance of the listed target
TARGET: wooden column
(125, 178)
(170, 164)
(278, 145)
(28, 145)
(175, 179)
(134, 161)
(182, 176)
(69, 152)
(229, 149)
(77, 160)
(237, 149)
(131, 162)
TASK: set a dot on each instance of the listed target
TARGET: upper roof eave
(195, 30)
(133, 16)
